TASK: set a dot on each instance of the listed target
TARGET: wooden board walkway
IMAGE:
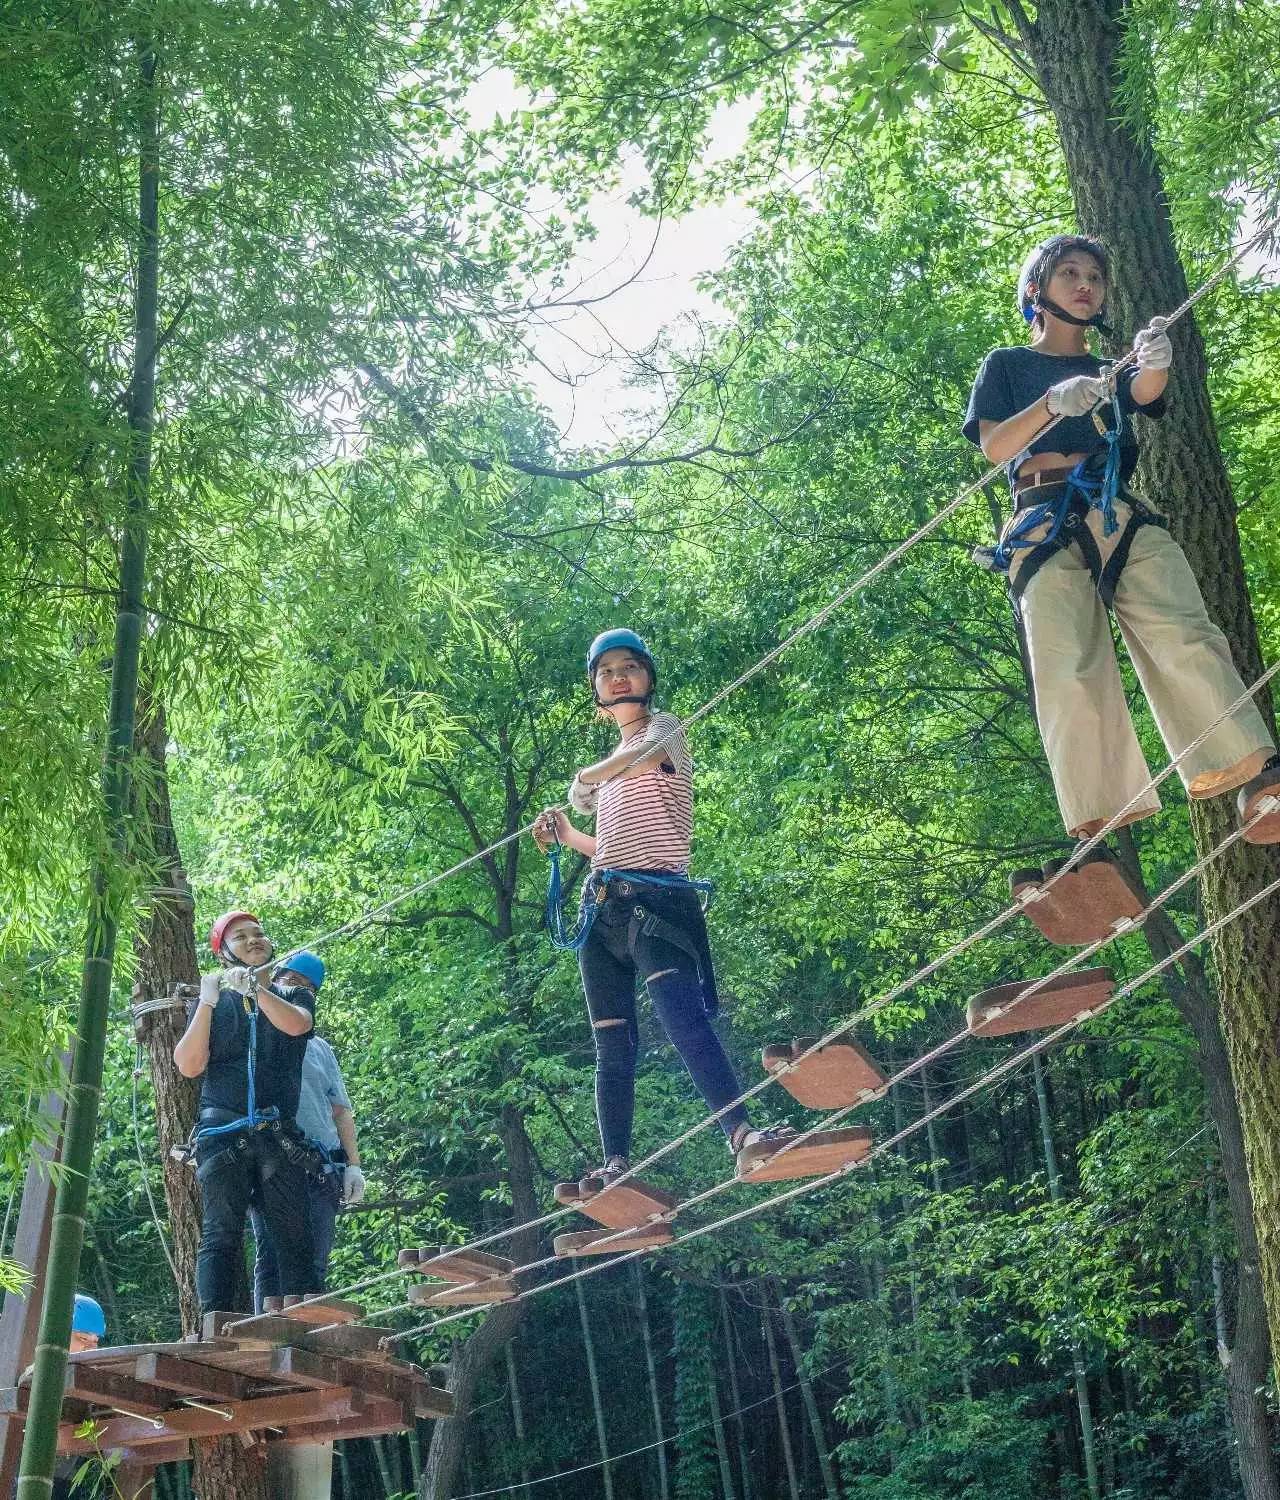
(302, 1375)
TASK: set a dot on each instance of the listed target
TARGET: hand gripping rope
(812, 624)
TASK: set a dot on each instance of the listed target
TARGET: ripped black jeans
(610, 970)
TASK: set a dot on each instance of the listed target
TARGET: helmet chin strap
(1046, 305)
(642, 698)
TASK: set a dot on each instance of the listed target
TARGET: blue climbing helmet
(309, 965)
(88, 1317)
(1039, 267)
(620, 640)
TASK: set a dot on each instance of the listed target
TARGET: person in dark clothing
(246, 1040)
(1081, 546)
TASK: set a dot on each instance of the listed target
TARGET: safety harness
(254, 1118)
(1088, 486)
(644, 921)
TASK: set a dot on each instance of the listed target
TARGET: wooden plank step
(378, 1419)
(627, 1205)
(612, 1241)
(1086, 903)
(837, 1075)
(999, 1012)
(825, 1151)
(331, 1310)
(350, 1338)
(447, 1264)
(495, 1289)
(1253, 798)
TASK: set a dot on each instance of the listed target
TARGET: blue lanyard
(254, 1117)
(571, 939)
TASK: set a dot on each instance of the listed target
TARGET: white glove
(583, 798)
(1153, 347)
(1075, 397)
(241, 978)
(210, 989)
(352, 1185)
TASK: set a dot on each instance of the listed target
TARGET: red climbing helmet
(218, 931)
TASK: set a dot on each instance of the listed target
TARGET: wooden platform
(613, 1241)
(1086, 903)
(280, 1379)
(1000, 1011)
(477, 1278)
(1252, 798)
(835, 1076)
(628, 1205)
(824, 1151)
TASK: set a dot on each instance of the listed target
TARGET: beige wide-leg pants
(1182, 661)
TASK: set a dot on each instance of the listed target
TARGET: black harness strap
(652, 925)
(1075, 529)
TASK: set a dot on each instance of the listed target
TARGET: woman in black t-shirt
(1079, 544)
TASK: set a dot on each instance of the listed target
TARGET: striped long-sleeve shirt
(646, 822)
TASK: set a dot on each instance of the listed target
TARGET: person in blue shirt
(326, 1120)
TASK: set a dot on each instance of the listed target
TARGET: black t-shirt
(278, 1076)
(1011, 379)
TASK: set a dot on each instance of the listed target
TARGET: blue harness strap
(1098, 490)
(572, 939)
(255, 1118)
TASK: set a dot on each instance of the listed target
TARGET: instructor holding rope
(246, 1039)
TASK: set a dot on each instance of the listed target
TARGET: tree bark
(1079, 1366)
(1074, 46)
(735, 1390)
(597, 1404)
(472, 1358)
(1246, 1363)
(517, 1414)
(655, 1390)
(829, 1484)
(780, 1405)
(166, 953)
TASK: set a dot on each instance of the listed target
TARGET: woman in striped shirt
(648, 921)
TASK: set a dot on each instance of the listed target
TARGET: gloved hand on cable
(210, 989)
(1075, 397)
(243, 980)
(1152, 346)
(352, 1185)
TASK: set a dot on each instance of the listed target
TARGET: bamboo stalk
(40, 1440)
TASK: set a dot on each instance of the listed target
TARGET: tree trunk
(829, 1485)
(472, 1358)
(780, 1405)
(1116, 183)
(935, 1172)
(717, 1423)
(597, 1403)
(1079, 1366)
(40, 1439)
(735, 1390)
(517, 1414)
(1246, 1364)
(166, 952)
(655, 1390)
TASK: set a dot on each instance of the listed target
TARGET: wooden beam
(106, 1388)
(394, 1381)
(378, 1419)
(191, 1422)
(185, 1376)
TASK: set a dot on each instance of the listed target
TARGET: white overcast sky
(582, 345)
(591, 403)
